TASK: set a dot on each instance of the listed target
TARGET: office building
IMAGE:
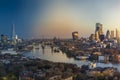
(14, 36)
(92, 37)
(98, 31)
(102, 37)
(96, 36)
(75, 35)
(117, 34)
(108, 34)
(4, 39)
(99, 28)
(112, 34)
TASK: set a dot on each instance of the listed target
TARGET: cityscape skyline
(59, 39)
(97, 35)
(44, 18)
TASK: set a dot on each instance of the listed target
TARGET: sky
(50, 18)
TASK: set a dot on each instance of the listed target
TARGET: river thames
(47, 54)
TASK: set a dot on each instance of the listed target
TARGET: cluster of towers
(99, 36)
(14, 36)
(4, 39)
(98, 32)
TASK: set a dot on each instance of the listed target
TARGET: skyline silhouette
(38, 18)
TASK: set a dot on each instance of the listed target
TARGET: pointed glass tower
(13, 35)
(13, 31)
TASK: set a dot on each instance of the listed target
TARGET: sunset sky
(49, 18)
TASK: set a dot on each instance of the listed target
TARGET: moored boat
(82, 57)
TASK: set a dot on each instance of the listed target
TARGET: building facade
(75, 35)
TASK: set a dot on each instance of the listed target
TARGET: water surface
(48, 54)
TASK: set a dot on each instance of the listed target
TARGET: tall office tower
(13, 32)
(14, 41)
(108, 34)
(75, 35)
(99, 28)
(96, 36)
(117, 34)
(112, 34)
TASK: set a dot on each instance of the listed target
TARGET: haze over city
(49, 18)
(59, 39)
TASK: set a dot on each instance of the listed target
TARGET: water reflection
(43, 51)
(52, 49)
(48, 54)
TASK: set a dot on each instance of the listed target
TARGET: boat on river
(82, 57)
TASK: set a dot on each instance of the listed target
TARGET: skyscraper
(99, 28)
(108, 34)
(14, 41)
(112, 34)
(98, 31)
(13, 32)
(117, 34)
(96, 36)
(75, 35)
(4, 39)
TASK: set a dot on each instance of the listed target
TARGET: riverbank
(16, 67)
(36, 69)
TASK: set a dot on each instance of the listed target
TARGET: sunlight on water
(47, 54)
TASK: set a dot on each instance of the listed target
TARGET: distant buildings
(6, 42)
(92, 37)
(96, 36)
(15, 38)
(4, 39)
(99, 36)
(108, 34)
(102, 37)
(99, 29)
(75, 35)
(98, 32)
(13, 35)
(112, 34)
(117, 34)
